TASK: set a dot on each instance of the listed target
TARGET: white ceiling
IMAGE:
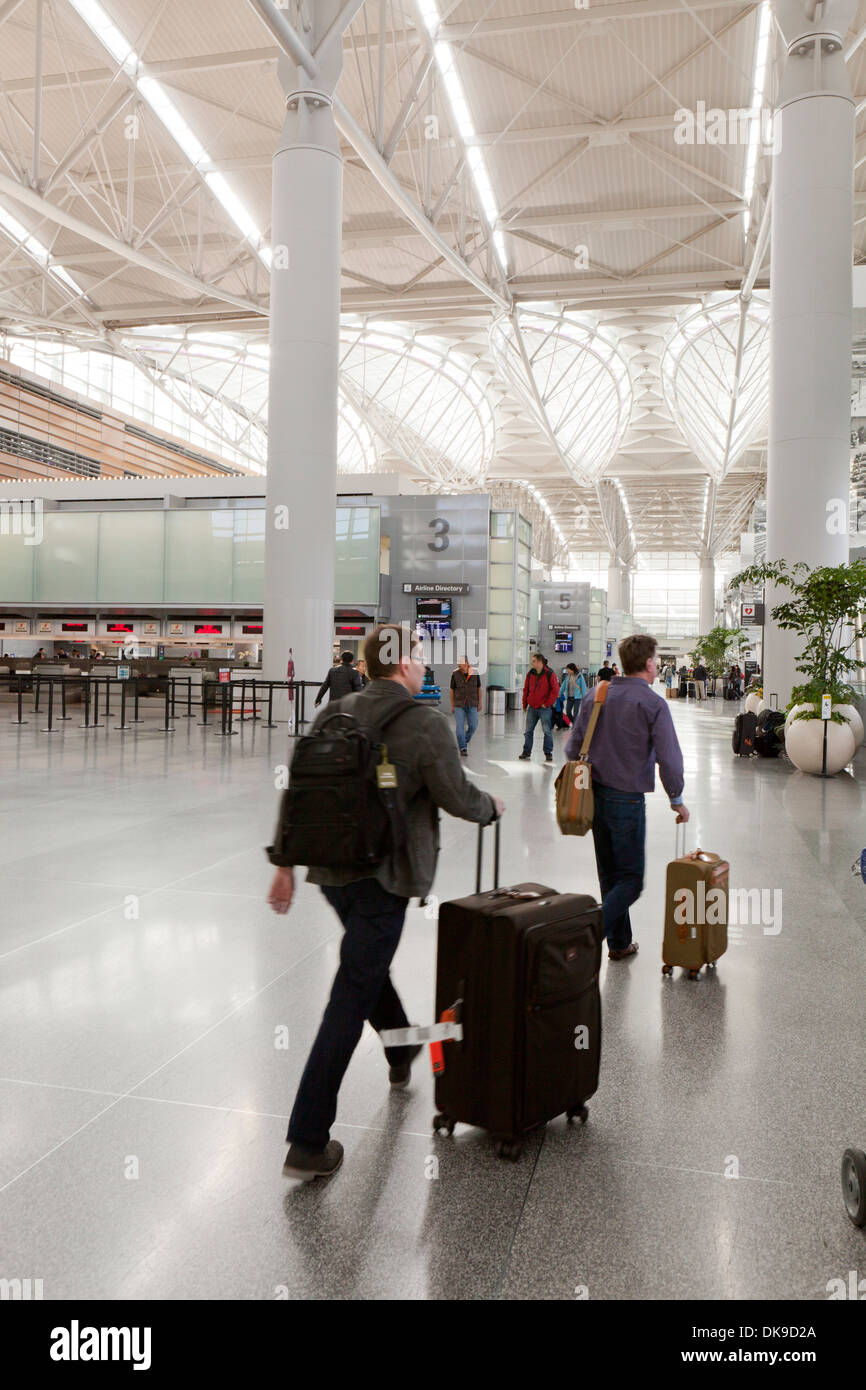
(574, 109)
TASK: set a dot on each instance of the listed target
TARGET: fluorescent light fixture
(40, 253)
(762, 51)
(442, 52)
(164, 108)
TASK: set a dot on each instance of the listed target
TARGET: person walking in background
(701, 681)
(540, 691)
(574, 689)
(341, 680)
(634, 732)
(465, 703)
(361, 668)
(371, 904)
(606, 673)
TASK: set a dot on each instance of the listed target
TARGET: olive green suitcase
(696, 911)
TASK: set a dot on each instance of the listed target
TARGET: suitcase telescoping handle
(481, 829)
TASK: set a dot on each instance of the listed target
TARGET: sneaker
(305, 1166)
(399, 1076)
(464, 752)
(548, 757)
(623, 954)
(524, 757)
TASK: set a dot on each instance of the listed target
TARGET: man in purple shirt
(634, 732)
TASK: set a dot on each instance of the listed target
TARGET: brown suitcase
(696, 911)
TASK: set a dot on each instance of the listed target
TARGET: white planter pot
(804, 742)
(792, 714)
(852, 714)
(753, 704)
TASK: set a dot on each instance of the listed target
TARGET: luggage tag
(386, 773)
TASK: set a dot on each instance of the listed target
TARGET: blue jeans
(532, 718)
(466, 718)
(619, 833)
(372, 919)
(572, 705)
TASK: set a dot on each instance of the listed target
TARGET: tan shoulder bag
(575, 802)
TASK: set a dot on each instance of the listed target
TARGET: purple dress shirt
(634, 732)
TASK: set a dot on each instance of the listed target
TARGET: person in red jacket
(540, 692)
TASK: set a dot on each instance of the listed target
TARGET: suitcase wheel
(854, 1185)
(667, 970)
(694, 974)
(577, 1112)
(441, 1122)
(509, 1148)
(711, 965)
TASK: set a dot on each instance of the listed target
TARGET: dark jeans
(533, 717)
(619, 833)
(372, 919)
(572, 705)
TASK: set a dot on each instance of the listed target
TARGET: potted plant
(716, 648)
(825, 608)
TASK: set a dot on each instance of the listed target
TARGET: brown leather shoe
(626, 951)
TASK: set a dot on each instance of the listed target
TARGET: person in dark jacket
(606, 673)
(361, 668)
(341, 680)
(540, 692)
(371, 908)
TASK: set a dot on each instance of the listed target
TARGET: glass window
(502, 524)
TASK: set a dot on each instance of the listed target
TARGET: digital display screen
(120, 627)
(252, 629)
(215, 628)
(563, 641)
(344, 631)
(433, 616)
(73, 627)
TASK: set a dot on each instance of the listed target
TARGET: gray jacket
(422, 747)
(339, 681)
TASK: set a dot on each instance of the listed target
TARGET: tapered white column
(614, 585)
(304, 343)
(707, 601)
(808, 469)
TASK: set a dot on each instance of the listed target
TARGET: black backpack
(334, 813)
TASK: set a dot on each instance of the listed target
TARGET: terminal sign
(435, 588)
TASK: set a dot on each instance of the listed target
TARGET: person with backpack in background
(540, 691)
(341, 680)
(573, 690)
(397, 769)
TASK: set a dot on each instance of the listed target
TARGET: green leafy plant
(716, 648)
(826, 609)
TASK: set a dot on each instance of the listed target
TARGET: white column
(614, 585)
(707, 602)
(810, 354)
(302, 405)
(626, 588)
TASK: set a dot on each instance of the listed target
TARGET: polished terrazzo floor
(145, 990)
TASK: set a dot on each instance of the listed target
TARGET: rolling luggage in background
(743, 739)
(518, 969)
(696, 911)
(770, 733)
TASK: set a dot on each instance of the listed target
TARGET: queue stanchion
(243, 700)
(96, 724)
(202, 723)
(50, 729)
(136, 717)
(167, 728)
(37, 690)
(232, 729)
(188, 697)
(123, 726)
(63, 714)
(86, 693)
(270, 724)
(19, 720)
(107, 696)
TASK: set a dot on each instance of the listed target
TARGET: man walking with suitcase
(634, 732)
(424, 767)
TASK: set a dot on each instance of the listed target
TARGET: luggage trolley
(854, 1160)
